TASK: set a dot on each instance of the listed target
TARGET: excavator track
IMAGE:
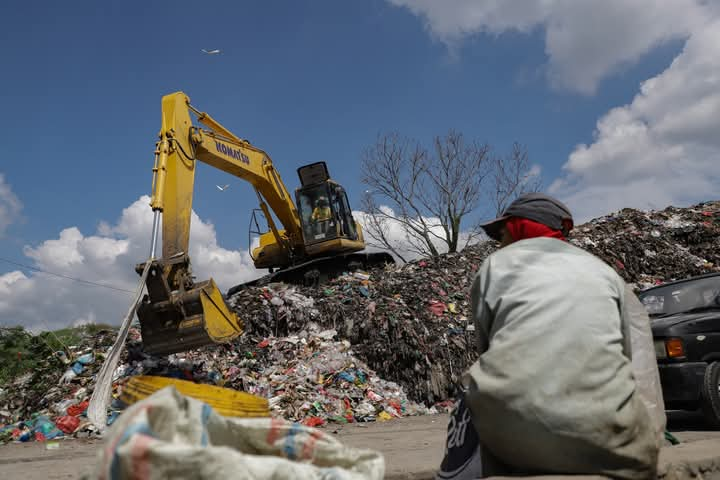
(319, 270)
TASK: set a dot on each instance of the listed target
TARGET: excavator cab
(325, 215)
(329, 240)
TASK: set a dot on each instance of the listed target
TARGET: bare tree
(426, 193)
(377, 227)
(512, 176)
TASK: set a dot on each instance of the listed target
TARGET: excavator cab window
(318, 213)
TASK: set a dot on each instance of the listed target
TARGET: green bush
(22, 352)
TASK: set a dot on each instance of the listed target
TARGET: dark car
(685, 321)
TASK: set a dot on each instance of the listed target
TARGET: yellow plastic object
(384, 416)
(225, 401)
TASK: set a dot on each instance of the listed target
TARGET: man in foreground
(553, 390)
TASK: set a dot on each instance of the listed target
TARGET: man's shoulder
(539, 249)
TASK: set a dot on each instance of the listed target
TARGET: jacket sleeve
(644, 362)
(626, 318)
(481, 315)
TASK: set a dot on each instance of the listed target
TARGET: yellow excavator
(316, 239)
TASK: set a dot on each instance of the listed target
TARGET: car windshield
(681, 297)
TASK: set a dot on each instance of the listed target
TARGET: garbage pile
(50, 401)
(651, 247)
(367, 346)
(409, 323)
(311, 377)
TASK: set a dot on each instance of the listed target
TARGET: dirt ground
(412, 446)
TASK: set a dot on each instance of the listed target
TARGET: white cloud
(661, 149)
(40, 301)
(585, 40)
(396, 234)
(10, 205)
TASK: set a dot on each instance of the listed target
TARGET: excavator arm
(181, 144)
(178, 314)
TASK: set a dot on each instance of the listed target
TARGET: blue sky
(317, 82)
(306, 81)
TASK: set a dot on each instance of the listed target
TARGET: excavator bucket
(180, 321)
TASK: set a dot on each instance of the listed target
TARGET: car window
(682, 297)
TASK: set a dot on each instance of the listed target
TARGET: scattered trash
(67, 424)
(365, 347)
(77, 409)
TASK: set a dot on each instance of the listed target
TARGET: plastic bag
(68, 376)
(77, 408)
(168, 435)
(644, 363)
(61, 407)
(67, 423)
(44, 426)
(86, 359)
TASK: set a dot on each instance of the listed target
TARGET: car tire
(710, 395)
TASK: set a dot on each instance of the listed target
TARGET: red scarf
(522, 228)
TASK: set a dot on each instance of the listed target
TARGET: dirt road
(412, 447)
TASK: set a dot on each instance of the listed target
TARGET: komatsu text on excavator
(316, 238)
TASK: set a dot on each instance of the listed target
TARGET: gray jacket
(553, 390)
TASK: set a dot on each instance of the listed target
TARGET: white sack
(168, 435)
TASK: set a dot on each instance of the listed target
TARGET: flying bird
(211, 52)
(223, 188)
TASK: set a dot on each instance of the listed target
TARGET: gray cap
(538, 207)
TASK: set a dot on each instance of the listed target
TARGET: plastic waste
(384, 416)
(373, 396)
(86, 359)
(62, 356)
(68, 376)
(67, 424)
(437, 308)
(112, 417)
(61, 407)
(361, 275)
(313, 421)
(44, 426)
(77, 409)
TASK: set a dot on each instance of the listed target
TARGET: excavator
(314, 239)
